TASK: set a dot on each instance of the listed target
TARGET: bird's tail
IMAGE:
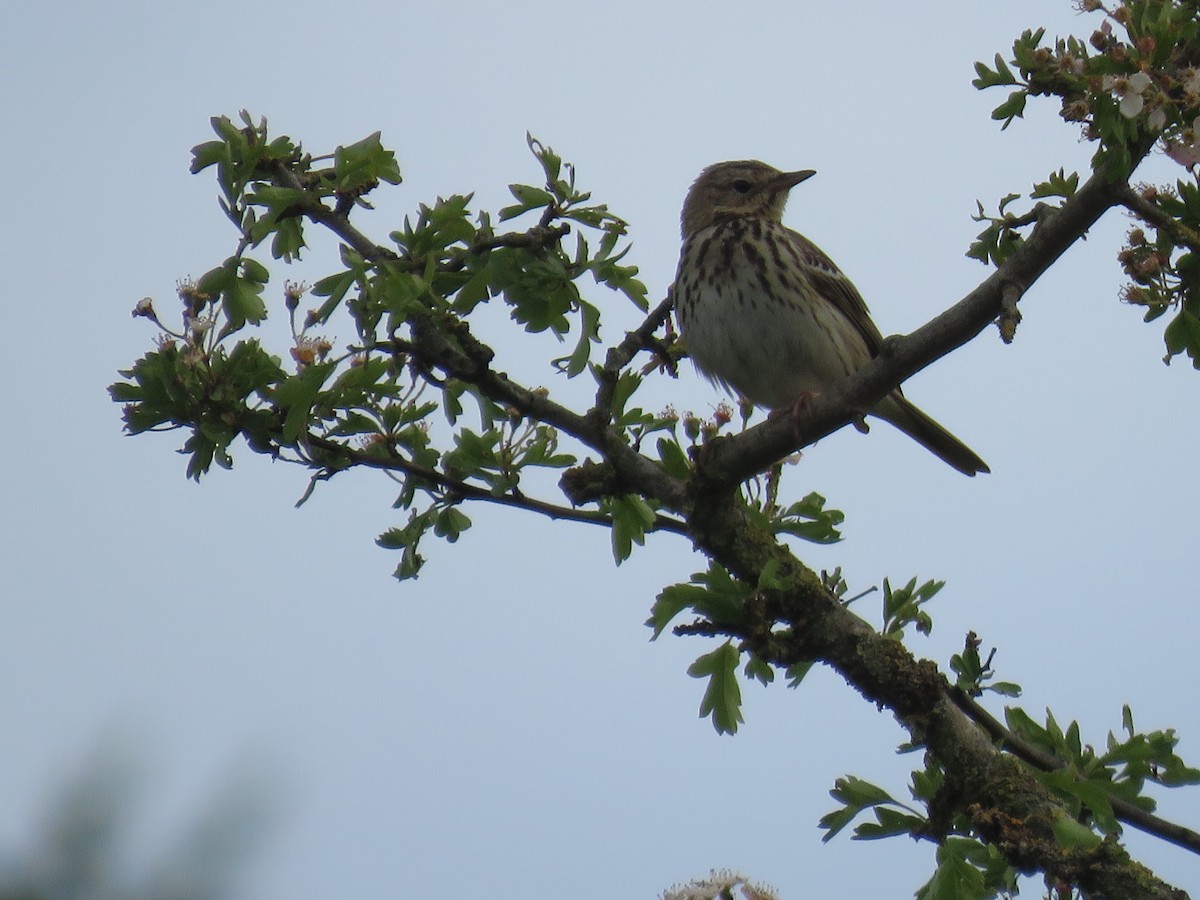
(929, 434)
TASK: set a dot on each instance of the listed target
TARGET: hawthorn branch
(801, 620)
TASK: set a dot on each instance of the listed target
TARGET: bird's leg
(801, 405)
(794, 410)
(797, 406)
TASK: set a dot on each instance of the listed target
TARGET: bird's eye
(742, 186)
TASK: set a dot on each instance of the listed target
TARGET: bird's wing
(835, 287)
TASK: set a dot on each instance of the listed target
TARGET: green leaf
(669, 603)
(759, 669)
(855, 795)
(334, 287)
(1074, 835)
(889, 823)
(253, 270)
(714, 594)
(986, 78)
(955, 877)
(215, 281)
(627, 383)
(589, 333)
(531, 196)
(723, 696)
(450, 523)
(1057, 185)
(407, 539)
(528, 198)
(551, 161)
(1093, 796)
(808, 520)
(360, 164)
(674, 460)
(796, 672)
(207, 154)
(631, 517)
(289, 239)
(1182, 334)
(1004, 688)
(295, 398)
(1012, 108)
(903, 606)
(242, 302)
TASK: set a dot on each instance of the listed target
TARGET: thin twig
(1151, 212)
(467, 491)
(620, 356)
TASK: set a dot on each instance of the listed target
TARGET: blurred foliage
(84, 849)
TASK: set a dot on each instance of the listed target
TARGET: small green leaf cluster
(219, 394)
(247, 158)
(903, 607)
(806, 518)
(967, 868)
(856, 797)
(975, 675)
(809, 520)
(542, 291)
(1089, 780)
(633, 517)
(1003, 234)
(721, 604)
(715, 595)
(720, 600)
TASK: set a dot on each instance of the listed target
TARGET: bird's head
(729, 190)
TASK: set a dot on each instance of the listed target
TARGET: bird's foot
(797, 406)
(792, 411)
(801, 404)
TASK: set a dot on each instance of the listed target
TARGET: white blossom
(1130, 90)
(1186, 152)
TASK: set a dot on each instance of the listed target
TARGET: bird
(764, 313)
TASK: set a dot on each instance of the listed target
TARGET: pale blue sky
(502, 726)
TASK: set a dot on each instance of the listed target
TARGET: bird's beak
(788, 180)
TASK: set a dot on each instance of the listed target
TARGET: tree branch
(620, 356)
(799, 620)
(1150, 212)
